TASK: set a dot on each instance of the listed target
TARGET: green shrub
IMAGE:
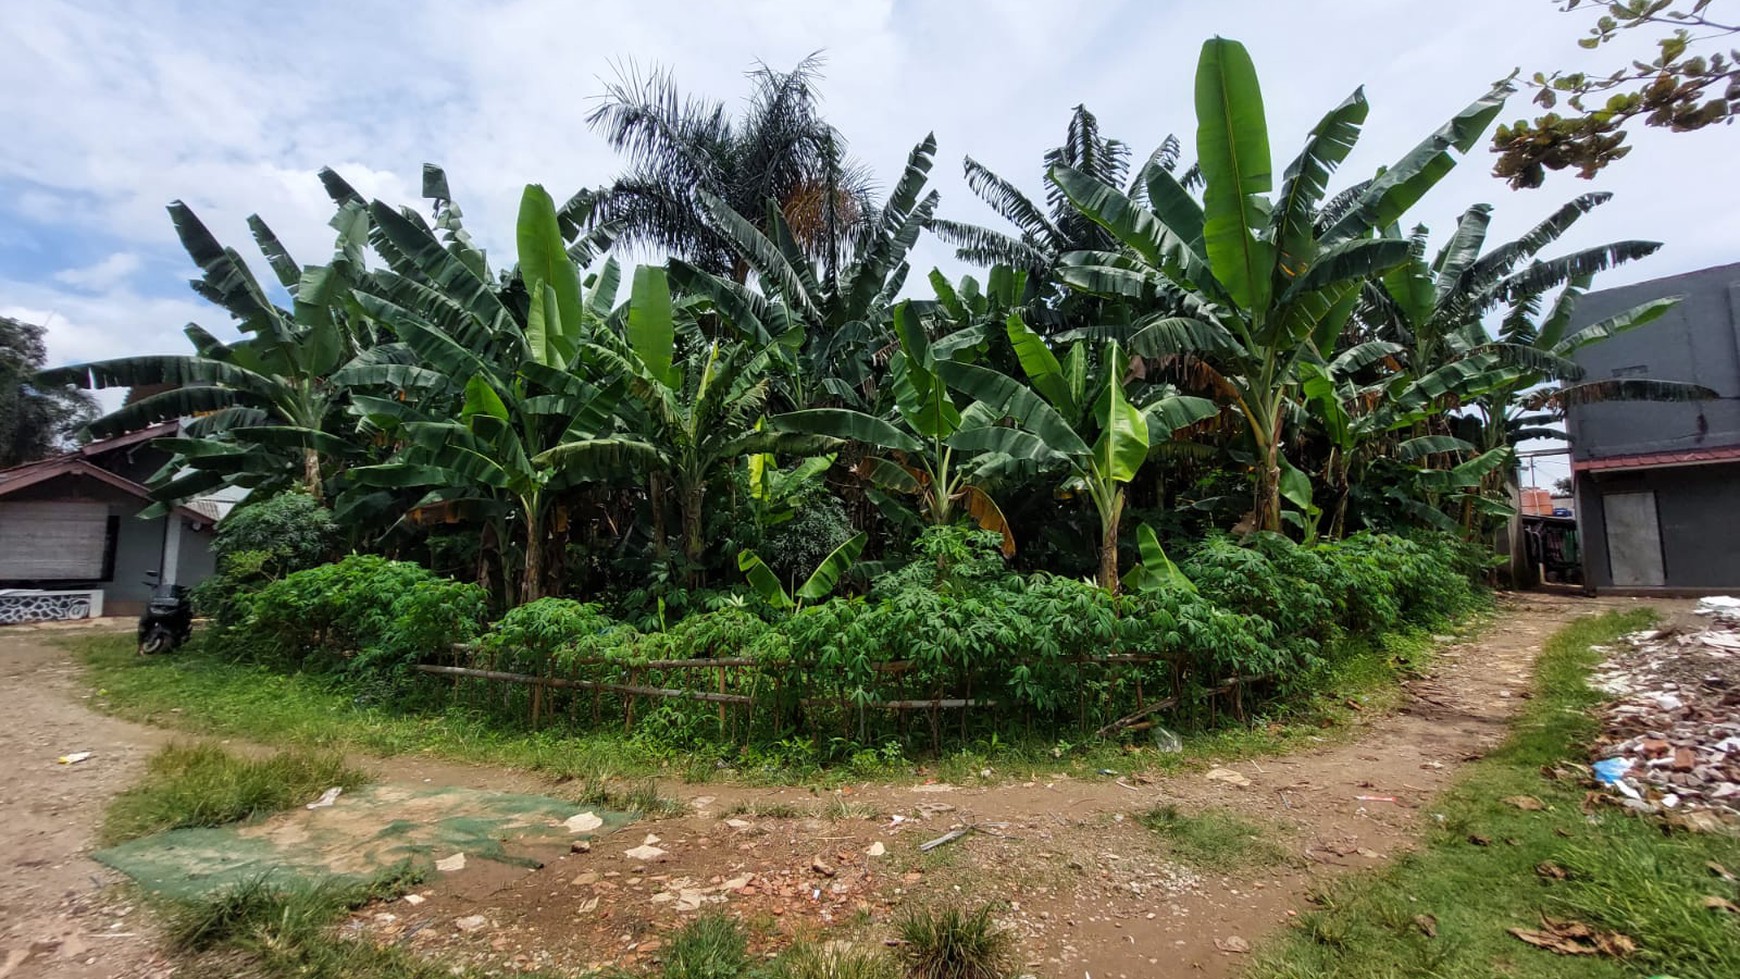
(261, 541)
(1246, 581)
(365, 614)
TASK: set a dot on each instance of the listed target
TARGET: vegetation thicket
(770, 451)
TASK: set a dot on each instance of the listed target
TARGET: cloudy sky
(111, 109)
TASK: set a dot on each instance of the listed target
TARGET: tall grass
(204, 785)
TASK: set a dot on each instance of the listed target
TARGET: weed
(1213, 840)
(710, 947)
(954, 944)
(807, 960)
(204, 785)
(641, 800)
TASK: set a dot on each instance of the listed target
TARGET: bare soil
(1087, 887)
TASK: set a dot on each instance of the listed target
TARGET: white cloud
(234, 107)
(102, 276)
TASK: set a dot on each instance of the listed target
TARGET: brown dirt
(1089, 889)
(59, 915)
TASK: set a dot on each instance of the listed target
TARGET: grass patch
(268, 930)
(639, 800)
(1443, 911)
(202, 693)
(712, 946)
(204, 785)
(954, 944)
(1212, 840)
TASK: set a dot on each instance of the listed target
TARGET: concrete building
(72, 543)
(1658, 484)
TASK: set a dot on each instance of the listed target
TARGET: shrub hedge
(952, 624)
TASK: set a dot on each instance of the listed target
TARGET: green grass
(1625, 873)
(954, 944)
(1212, 840)
(202, 693)
(204, 785)
(262, 930)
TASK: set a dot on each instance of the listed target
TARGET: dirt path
(1088, 887)
(58, 916)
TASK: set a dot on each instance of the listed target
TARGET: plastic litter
(327, 798)
(450, 864)
(1167, 741)
(1611, 771)
(75, 757)
(1226, 775)
(584, 822)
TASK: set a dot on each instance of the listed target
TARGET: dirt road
(1088, 888)
(58, 914)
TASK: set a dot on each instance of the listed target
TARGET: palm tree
(829, 320)
(681, 148)
(1043, 235)
(1264, 286)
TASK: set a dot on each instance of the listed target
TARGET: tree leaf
(1232, 147)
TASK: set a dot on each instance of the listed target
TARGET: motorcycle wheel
(158, 640)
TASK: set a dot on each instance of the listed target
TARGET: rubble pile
(1671, 736)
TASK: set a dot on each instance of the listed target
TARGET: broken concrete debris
(1671, 736)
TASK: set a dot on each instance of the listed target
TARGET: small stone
(450, 864)
(470, 923)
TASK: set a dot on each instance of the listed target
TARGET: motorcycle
(167, 621)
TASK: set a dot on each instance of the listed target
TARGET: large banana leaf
(827, 574)
(762, 579)
(1041, 366)
(1400, 187)
(1156, 571)
(1008, 397)
(1123, 443)
(1232, 147)
(1307, 180)
(843, 423)
(1614, 325)
(651, 329)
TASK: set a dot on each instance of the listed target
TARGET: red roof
(77, 463)
(1658, 460)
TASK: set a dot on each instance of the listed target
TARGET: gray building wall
(1697, 507)
(138, 544)
(196, 562)
(1698, 341)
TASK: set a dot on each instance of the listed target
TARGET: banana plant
(688, 415)
(1156, 572)
(266, 410)
(816, 587)
(480, 392)
(916, 457)
(842, 312)
(1250, 287)
(1053, 415)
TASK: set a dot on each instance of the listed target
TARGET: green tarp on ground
(366, 832)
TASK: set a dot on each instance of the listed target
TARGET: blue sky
(112, 109)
